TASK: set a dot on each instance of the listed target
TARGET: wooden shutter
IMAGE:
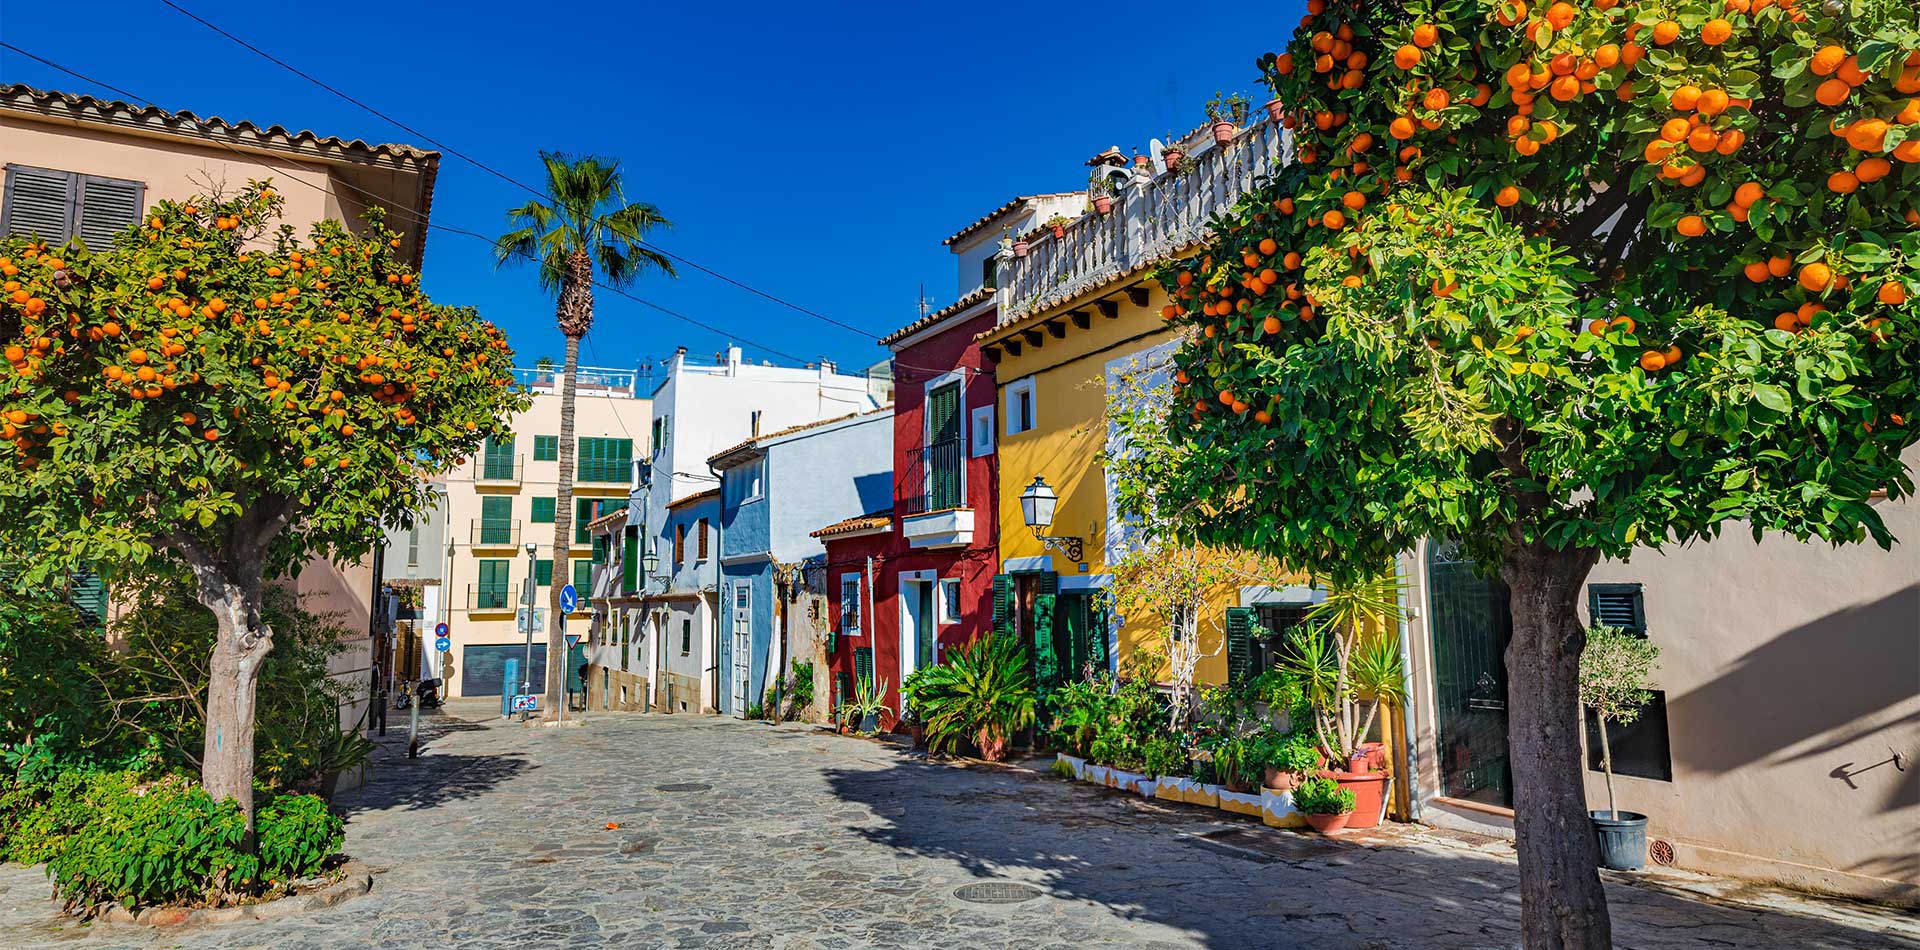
(582, 580)
(39, 202)
(496, 520)
(87, 594)
(1617, 605)
(1003, 604)
(703, 539)
(943, 448)
(546, 448)
(497, 459)
(543, 572)
(600, 544)
(1097, 632)
(630, 560)
(863, 665)
(1046, 658)
(492, 590)
(107, 207)
(543, 510)
(1240, 622)
(584, 511)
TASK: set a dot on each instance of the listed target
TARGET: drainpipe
(1410, 760)
(719, 595)
(872, 621)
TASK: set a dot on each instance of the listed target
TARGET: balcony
(493, 598)
(1153, 217)
(937, 514)
(494, 534)
(587, 380)
(497, 470)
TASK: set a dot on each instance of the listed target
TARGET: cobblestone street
(744, 835)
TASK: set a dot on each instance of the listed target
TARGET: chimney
(826, 368)
(733, 359)
(679, 360)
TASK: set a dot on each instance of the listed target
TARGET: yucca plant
(1339, 673)
(982, 691)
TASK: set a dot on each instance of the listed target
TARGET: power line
(411, 212)
(509, 178)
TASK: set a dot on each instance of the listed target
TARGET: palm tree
(588, 223)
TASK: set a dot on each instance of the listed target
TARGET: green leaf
(1771, 396)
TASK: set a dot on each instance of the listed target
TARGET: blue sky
(819, 154)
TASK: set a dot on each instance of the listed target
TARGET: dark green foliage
(1121, 723)
(297, 834)
(981, 689)
(1322, 796)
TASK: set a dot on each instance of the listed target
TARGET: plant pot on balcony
(1140, 161)
(1622, 839)
(1102, 204)
(1274, 108)
(1059, 231)
(1020, 248)
(1277, 780)
(1222, 132)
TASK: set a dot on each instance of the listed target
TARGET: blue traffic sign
(569, 599)
(443, 644)
(440, 630)
(525, 703)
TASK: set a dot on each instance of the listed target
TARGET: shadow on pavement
(435, 778)
(1147, 861)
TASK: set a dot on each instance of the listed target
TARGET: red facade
(938, 371)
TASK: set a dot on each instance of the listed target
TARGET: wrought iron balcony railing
(933, 478)
(494, 534)
(493, 597)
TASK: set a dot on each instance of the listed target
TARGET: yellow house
(1079, 310)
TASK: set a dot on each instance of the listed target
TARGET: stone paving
(499, 838)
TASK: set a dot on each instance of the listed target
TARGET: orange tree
(212, 394)
(1557, 280)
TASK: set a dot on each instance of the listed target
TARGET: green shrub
(1322, 796)
(1078, 708)
(980, 688)
(168, 841)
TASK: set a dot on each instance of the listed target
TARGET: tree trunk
(1562, 904)
(241, 643)
(1606, 765)
(562, 539)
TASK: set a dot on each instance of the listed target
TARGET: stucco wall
(823, 475)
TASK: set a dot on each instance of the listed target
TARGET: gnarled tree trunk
(1562, 904)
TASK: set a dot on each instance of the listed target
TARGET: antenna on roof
(924, 301)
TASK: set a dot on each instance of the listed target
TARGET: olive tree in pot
(1616, 669)
(1346, 677)
(982, 691)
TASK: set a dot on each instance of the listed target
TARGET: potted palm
(1616, 669)
(982, 692)
(1324, 804)
(1346, 676)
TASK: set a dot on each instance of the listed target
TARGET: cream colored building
(504, 499)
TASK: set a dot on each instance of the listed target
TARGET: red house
(905, 585)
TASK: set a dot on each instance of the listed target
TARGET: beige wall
(595, 416)
(1792, 676)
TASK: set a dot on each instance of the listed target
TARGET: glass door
(1471, 626)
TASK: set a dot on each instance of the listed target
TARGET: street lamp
(1037, 505)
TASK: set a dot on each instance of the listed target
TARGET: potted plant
(1270, 74)
(1021, 245)
(1141, 161)
(1324, 804)
(1616, 670)
(1346, 677)
(1225, 112)
(981, 691)
(1291, 758)
(1172, 152)
(868, 704)
(1100, 192)
(1058, 225)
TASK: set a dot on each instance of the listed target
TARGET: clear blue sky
(818, 153)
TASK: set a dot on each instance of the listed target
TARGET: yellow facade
(1068, 370)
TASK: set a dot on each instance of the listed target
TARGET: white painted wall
(827, 474)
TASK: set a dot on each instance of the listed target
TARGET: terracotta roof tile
(856, 524)
(695, 497)
(988, 218)
(966, 302)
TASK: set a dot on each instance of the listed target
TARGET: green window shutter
(1239, 645)
(543, 510)
(583, 578)
(497, 459)
(604, 460)
(1618, 605)
(1046, 659)
(491, 591)
(599, 549)
(496, 520)
(546, 448)
(1003, 604)
(1097, 632)
(87, 594)
(943, 450)
(863, 665)
(630, 560)
(543, 572)
(583, 512)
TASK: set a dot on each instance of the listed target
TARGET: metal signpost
(526, 625)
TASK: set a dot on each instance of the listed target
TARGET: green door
(496, 460)
(496, 520)
(491, 592)
(925, 632)
(1471, 626)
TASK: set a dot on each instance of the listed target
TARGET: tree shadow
(433, 779)
(1217, 880)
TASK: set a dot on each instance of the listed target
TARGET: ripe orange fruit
(1849, 71)
(1407, 56)
(1334, 220)
(1867, 135)
(1892, 293)
(1832, 92)
(1816, 277)
(1713, 102)
(1873, 169)
(1716, 32)
(212, 435)
(1756, 271)
(1691, 225)
(1826, 60)
(1664, 32)
(1844, 183)
(1653, 361)
(1507, 197)
(1786, 321)
(1748, 193)
(1425, 35)
(1908, 151)
(1354, 200)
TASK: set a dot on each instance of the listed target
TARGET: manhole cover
(997, 892)
(683, 787)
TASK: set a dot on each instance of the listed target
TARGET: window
(942, 454)
(949, 600)
(546, 448)
(587, 509)
(744, 482)
(686, 637)
(496, 520)
(659, 434)
(982, 431)
(1020, 406)
(496, 459)
(1618, 605)
(604, 460)
(413, 545)
(1640, 747)
(703, 540)
(56, 205)
(989, 272)
(742, 595)
(679, 544)
(492, 591)
(583, 580)
(543, 572)
(850, 603)
(600, 544)
(543, 510)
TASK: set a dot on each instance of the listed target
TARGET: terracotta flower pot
(1102, 204)
(992, 748)
(1222, 132)
(1277, 780)
(1059, 231)
(1172, 158)
(1020, 248)
(1234, 784)
(1274, 109)
(1139, 160)
(1327, 824)
(1369, 793)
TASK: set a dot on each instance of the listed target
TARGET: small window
(543, 572)
(1618, 605)
(982, 431)
(680, 544)
(659, 434)
(850, 603)
(543, 510)
(583, 580)
(1020, 406)
(59, 205)
(949, 600)
(413, 545)
(686, 637)
(742, 596)
(703, 540)
(1640, 748)
(546, 448)
(989, 271)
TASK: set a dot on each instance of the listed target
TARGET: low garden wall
(1273, 808)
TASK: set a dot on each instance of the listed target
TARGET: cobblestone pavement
(498, 838)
